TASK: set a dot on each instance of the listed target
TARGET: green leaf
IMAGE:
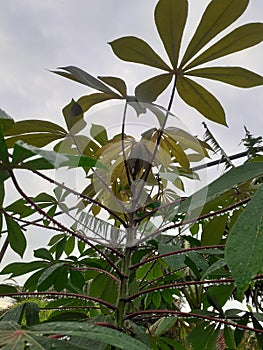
(174, 261)
(84, 330)
(5, 289)
(214, 267)
(243, 252)
(229, 337)
(35, 126)
(213, 230)
(43, 253)
(236, 76)
(163, 325)
(17, 269)
(87, 101)
(85, 78)
(31, 313)
(73, 115)
(16, 237)
(227, 181)
(201, 99)
(156, 299)
(48, 276)
(136, 50)
(170, 19)
(3, 147)
(70, 245)
(99, 133)
(37, 140)
(116, 83)
(6, 121)
(15, 314)
(203, 336)
(218, 15)
(149, 90)
(239, 39)
(217, 296)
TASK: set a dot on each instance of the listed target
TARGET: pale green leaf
(73, 115)
(34, 126)
(236, 76)
(116, 83)
(243, 252)
(218, 15)
(201, 99)
(170, 19)
(136, 50)
(214, 230)
(149, 90)
(239, 39)
(99, 133)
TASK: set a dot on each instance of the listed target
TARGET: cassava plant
(133, 262)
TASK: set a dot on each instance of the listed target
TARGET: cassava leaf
(170, 19)
(149, 90)
(201, 99)
(85, 78)
(116, 83)
(243, 252)
(87, 101)
(6, 121)
(136, 50)
(16, 237)
(239, 39)
(236, 76)
(218, 15)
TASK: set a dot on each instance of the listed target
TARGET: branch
(59, 294)
(158, 313)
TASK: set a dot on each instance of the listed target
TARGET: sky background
(37, 36)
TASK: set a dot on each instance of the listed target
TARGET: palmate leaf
(136, 50)
(116, 83)
(236, 76)
(170, 19)
(239, 39)
(243, 252)
(218, 15)
(201, 99)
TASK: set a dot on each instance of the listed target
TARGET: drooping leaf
(34, 126)
(116, 83)
(85, 78)
(218, 15)
(229, 337)
(239, 39)
(170, 19)
(17, 269)
(149, 90)
(236, 76)
(136, 50)
(213, 230)
(6, 121)
(16, 236)
(201, 99)
(5, 288)
(243, 252)
(203, 336)
(14, 314)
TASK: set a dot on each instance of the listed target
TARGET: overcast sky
(37, 35)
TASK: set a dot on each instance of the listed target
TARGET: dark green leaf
(213, 230)
(3, 147)
(201, 99)
(239, 39)
(17, 269)
(243, 252)
(174, 261)
(31, 313)
(14, 314)
(37, 140)
(203, 336)
(16, 237)
(116, 83)
(136, 50)
(227, 181)
(229, 338)
(73, 115)
(85, 78)
(43, 253)
(48, 276)
(35, 126)
(236, 76)
(87, 101)
(70, 245)
(218, 15)
(61, 279)
(6, 121)
(103, 334)
(149, 90)
(99, 133)
(170, 19)
(164, 324)
(5, 288)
